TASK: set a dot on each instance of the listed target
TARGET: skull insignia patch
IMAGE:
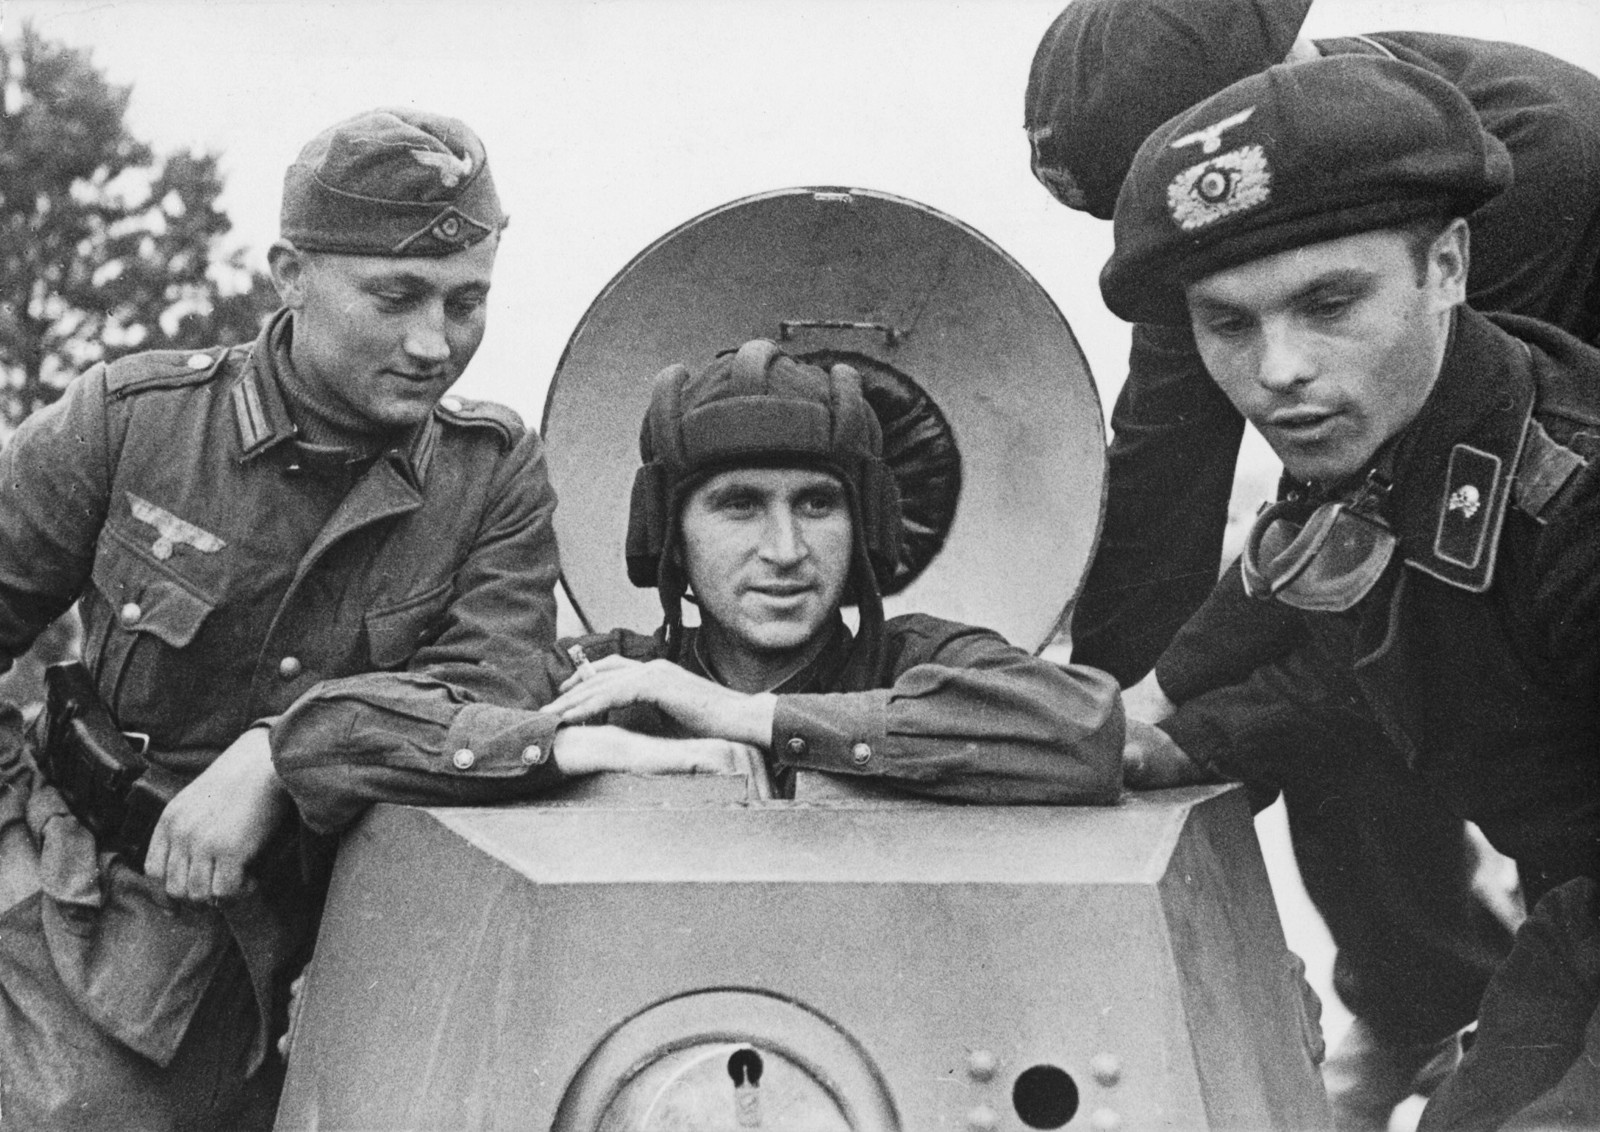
(1465, 500)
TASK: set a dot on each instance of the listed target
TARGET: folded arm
(447, 728)
(965, 716)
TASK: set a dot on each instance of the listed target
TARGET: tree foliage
(105, 247)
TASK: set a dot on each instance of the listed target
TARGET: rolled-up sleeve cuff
(845, 733)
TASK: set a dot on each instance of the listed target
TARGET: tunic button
(289, 667)
(198, 361)
(451, 404)
(464, 758)
(860, 753)
(797, 747)
(532, 755)
(129, 614)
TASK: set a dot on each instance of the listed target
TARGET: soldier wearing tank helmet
(242, 527)
(763, 498)
(1107, 73)
(1434, 543)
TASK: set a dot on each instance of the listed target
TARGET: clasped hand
(217, 824)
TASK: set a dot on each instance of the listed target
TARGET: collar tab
(258, 411)
(1488, 404)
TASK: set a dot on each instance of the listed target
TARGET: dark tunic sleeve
(1174, 445)
(55, 480)
(961, 714)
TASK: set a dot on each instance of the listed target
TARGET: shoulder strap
(461, 411)
(163, 369)
(1544, 470)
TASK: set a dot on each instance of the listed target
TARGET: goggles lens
(1321, 559)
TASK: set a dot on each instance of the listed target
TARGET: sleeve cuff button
(464, 758)
(797, 747)
(532, 755)
(860, 753)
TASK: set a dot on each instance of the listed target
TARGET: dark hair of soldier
(1420, 235)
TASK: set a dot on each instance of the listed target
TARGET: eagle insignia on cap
(1232, 182)
(1210, 139)
(451, 168)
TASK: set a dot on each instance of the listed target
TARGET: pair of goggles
(1322, 558)
(1054, 176)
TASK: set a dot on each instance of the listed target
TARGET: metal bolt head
(981, 1065)
(982, 1119)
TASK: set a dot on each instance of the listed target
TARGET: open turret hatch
(962, 352)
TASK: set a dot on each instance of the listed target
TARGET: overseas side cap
(1302, 153)
(1108, 72)
(393, 182)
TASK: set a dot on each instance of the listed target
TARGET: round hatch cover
(724, 1060)
(933, 313)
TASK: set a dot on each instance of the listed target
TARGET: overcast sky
(608, 122)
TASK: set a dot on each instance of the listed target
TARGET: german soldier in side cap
(1434, 545)
(1106, 74)
(240, 527)
(763, 492)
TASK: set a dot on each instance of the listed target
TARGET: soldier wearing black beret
(1434, 545)
(1106, 74)
(242, 528)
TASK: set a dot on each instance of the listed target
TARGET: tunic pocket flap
(144, 599)
(394, 634)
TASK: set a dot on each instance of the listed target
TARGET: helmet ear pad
(880, 524)
(649, 516)
(650, 507)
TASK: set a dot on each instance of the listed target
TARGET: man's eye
(1226, 326)
(820, 504)
(738, 506)
(1328, 308)
(465, 306)
(392, 300)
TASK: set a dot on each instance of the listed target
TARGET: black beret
(393, 182)
(1108, 72)
(1300, 154)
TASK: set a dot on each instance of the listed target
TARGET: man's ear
(1448, 261)
(288, 265)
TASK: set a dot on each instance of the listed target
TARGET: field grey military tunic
(223, 574)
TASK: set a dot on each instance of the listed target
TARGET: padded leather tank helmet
(757, 406)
